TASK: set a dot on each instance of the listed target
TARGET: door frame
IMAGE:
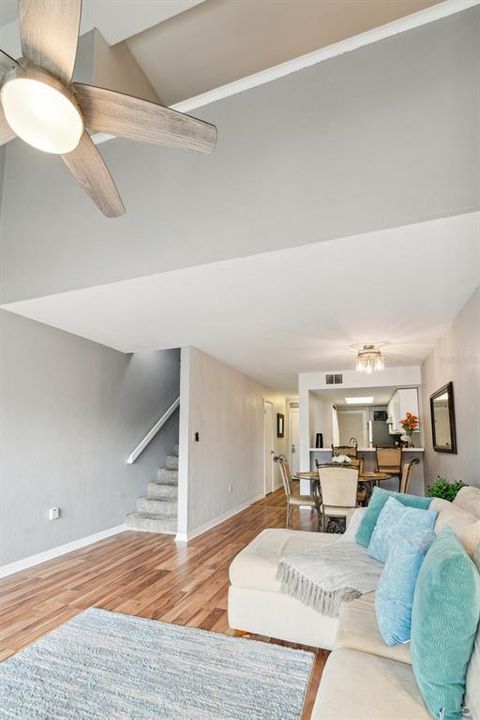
(268, 408)
(293, 409)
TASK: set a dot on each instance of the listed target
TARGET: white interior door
(293, 451)
(268, 446)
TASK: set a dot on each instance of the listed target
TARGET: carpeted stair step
(162, 490)
(167, 477)
(159, 506)
(152, 522)
(172, 462)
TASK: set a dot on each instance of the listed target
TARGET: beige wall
(456, 357)
(224, 470)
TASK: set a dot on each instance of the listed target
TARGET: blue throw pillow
(375, 506)
(396, 587)
(396, 521)
(445, 616)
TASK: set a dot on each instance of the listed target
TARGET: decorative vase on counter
(407, 440)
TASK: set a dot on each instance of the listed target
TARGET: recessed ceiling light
(359, 400)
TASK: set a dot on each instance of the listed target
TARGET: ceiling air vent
(333, 379)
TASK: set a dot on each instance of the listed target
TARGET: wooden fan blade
(87, 166)
(49, 34)
(136, 119)
(6, 132)
(6, 62)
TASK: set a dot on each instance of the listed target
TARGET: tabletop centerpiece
(342, 460)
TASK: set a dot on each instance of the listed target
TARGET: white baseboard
(185, 537)
(59, 550)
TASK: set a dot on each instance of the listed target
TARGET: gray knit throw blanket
(325, 577)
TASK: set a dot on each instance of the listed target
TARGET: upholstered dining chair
(350, 450)
(293, 500)
(339, 486)
(389, 460)
(407, 473)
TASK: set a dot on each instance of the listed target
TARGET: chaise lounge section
(364, 679)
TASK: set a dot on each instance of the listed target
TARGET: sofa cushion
(358, 630)
(464, 524)
(446, 611)
(256, 565)
(468, 498)
(396, 587)
(375, 506)
(472, 694)
(360, 686)
(396, 522)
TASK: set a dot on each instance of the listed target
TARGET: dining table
(367, 478)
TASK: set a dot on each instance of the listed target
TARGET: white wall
(456, 357)
(226, 408)
(320, 419)
(72, 412)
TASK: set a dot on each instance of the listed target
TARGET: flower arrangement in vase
(342, 460)
(409, 425)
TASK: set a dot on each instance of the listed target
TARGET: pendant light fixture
(369, 359)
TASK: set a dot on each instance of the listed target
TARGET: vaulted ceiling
(187, 47)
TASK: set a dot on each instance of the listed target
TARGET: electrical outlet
(230, 488)
(54, 513)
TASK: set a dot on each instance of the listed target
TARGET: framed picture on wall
(280, 425)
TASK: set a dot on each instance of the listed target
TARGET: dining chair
(407, 473)
(293, 500)
(350, 450)
(389, 459)
(339, 487)
(365, 488)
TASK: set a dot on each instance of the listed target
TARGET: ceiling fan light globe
(41, 115)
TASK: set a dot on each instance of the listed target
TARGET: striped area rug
(117, 667)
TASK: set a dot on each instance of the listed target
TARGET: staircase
(157, 510)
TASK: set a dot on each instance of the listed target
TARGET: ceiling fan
(40, 104)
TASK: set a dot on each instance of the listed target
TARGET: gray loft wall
(72, 411)
(380, 137)
(456, 357)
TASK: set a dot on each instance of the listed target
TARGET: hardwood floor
(142, 574)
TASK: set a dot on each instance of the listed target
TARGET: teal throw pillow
(445, 616)
(396, 521)
(396, 587)
(375, 506)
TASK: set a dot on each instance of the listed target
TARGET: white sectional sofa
(363, 679)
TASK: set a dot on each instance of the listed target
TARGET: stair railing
(153, 431)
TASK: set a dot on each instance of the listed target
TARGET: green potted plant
(441, 488)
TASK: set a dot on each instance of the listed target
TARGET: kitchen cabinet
(402, 401)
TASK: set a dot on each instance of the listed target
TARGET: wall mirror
(442, 411)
